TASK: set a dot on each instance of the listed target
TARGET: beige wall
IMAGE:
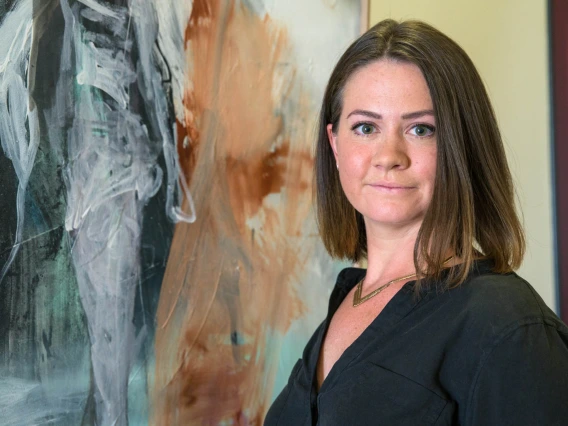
(507, 40)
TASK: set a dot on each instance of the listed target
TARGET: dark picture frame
(558, 17)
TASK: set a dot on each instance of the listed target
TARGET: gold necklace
(357, 299)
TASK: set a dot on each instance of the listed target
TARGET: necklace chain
(357, 299)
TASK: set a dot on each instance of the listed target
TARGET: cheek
(349, 162)
(432, 164)
(429, 172)
(352, 159)
(425, 164)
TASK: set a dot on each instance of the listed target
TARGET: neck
(390, 252)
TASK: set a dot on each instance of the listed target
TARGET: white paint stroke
(172, 18)
(102, 10)
(112, 173)
(19, 124)
(148, 32)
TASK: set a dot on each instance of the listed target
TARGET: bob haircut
(472, 211)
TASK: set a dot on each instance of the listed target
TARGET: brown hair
(473, 200)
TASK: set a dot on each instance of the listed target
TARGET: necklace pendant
(357, 296)
(357, 299)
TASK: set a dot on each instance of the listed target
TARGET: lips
(391, 187)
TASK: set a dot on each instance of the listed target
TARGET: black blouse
(489, 352)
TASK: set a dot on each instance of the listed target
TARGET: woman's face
(385, 145)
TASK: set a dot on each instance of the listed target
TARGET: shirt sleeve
(523, 379)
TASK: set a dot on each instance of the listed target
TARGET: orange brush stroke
(230, 275)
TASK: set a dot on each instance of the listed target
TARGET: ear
(332, 137)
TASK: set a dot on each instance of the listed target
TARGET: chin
(393, 217)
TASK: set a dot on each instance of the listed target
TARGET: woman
(411, 175)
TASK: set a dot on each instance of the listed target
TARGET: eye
(364, 129)
(423, 130)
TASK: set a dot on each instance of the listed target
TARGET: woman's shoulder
(502, 302)
(522, 346)
(348, 278)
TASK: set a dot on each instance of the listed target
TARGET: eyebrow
(408, 116)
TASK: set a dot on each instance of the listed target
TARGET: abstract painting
(159, 259)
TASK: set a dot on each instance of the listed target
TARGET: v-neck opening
(402, 303)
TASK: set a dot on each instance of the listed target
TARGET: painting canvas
(159, 259)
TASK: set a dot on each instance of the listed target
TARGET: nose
(391, 152)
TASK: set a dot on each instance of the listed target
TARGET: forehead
(387, 84)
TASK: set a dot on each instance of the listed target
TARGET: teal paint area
(44, 351)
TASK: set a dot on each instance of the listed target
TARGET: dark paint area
(157, 234)
(5, 7)
(8, 217)
(41, 319)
